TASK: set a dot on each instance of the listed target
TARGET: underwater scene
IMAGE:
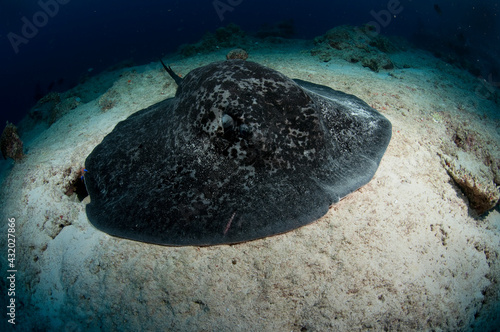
(236, 165)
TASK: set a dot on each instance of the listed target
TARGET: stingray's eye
(227, 122)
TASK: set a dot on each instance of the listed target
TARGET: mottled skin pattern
(241, 152)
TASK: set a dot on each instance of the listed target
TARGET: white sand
(404, 252)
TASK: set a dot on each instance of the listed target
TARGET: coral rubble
(355, 44)
(10, 143)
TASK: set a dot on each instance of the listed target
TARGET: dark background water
(74, 36)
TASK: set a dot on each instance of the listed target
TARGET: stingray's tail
(169, 70)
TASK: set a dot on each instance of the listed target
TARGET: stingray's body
(241, 152)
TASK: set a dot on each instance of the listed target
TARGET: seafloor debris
(228, 36)
(43, 110)
(475, 144)
(63, 108)
(10, 143)
(470, 159)
(237, 53)
(355, 44)
(483, 194)
(52, 107)
(108, 100)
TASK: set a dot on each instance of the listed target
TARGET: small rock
(237, 53)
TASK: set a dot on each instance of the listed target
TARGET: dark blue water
(50, 44)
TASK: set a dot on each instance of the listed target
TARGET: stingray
(240, 153)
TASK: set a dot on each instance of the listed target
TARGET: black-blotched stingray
(241, 152)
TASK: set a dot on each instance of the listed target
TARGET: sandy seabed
(404, 252)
